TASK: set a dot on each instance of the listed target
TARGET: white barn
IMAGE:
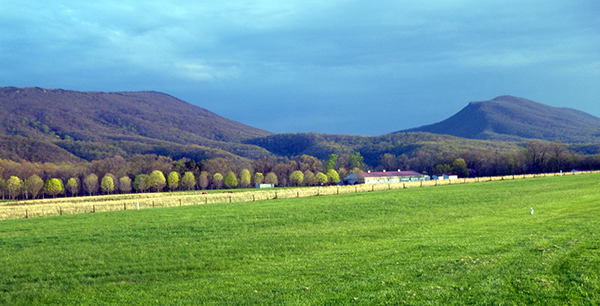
(445, 176)
(384, 177)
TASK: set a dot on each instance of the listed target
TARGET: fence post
(297, 194)
(229, 199)
(355, 189)
(93, 208)
(26, 214)
(60, 209)
(338, 190)
(124, 206)
(275, 194)
(253, 198)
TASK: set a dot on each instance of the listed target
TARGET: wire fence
(82, 205)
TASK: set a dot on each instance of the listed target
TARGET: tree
(73, 186)
(173, 180)
(258, 178)
(356, 160)
(297, 178)
(107, 184)
(311, 163)
(441, 169)
(246, 178)
(332, 160)
(332, 176)
(2, 187)
(537, 154)
(388, 161)
(203, 181)
(157, 180)
(141, 182)
(459, 167)
(54, 187)
(125, 184)
(230, 180)
(309, 178)
(342, 173)
(115, 181)
(271, 178)
(217, 180)
(91, 183)
(218, 165)
(34, 185)
(321, 178)
(188, 180)
(14, 185)
(357, 170)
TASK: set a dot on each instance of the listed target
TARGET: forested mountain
(372, 147)
(20, 148)
(94, 125)
(53, 125)
(508, 118)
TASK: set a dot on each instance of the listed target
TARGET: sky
(336, 66)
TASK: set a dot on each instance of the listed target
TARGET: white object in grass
(532, 210)
(138, 204)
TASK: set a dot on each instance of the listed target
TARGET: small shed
(445, 176)
(264, 185)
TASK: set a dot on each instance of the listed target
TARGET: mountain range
(508, 118)
(56, 125)
(93, 125)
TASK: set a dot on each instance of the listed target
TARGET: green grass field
(447, 245)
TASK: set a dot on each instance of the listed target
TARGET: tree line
(155, 173)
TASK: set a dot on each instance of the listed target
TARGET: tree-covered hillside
(130, 122)
(21, 148)
(508, 118)
(371, 148)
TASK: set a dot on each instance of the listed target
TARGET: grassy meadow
(446, 245)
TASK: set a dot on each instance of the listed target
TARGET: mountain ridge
(137, 122)
(93, 125)
(509, 118)
(121, 112)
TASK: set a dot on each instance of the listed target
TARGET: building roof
(390, 174)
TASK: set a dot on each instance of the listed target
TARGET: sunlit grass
(463, 244)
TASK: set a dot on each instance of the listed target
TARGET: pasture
(447, 245)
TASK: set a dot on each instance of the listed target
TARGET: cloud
(406, 55)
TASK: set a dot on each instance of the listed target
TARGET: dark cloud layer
(298, 66)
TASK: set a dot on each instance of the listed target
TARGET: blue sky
(344, 67)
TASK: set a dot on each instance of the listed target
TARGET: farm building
(384, 177)
(264, 185)
(445, 176)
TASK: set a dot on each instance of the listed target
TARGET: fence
(65, 206)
